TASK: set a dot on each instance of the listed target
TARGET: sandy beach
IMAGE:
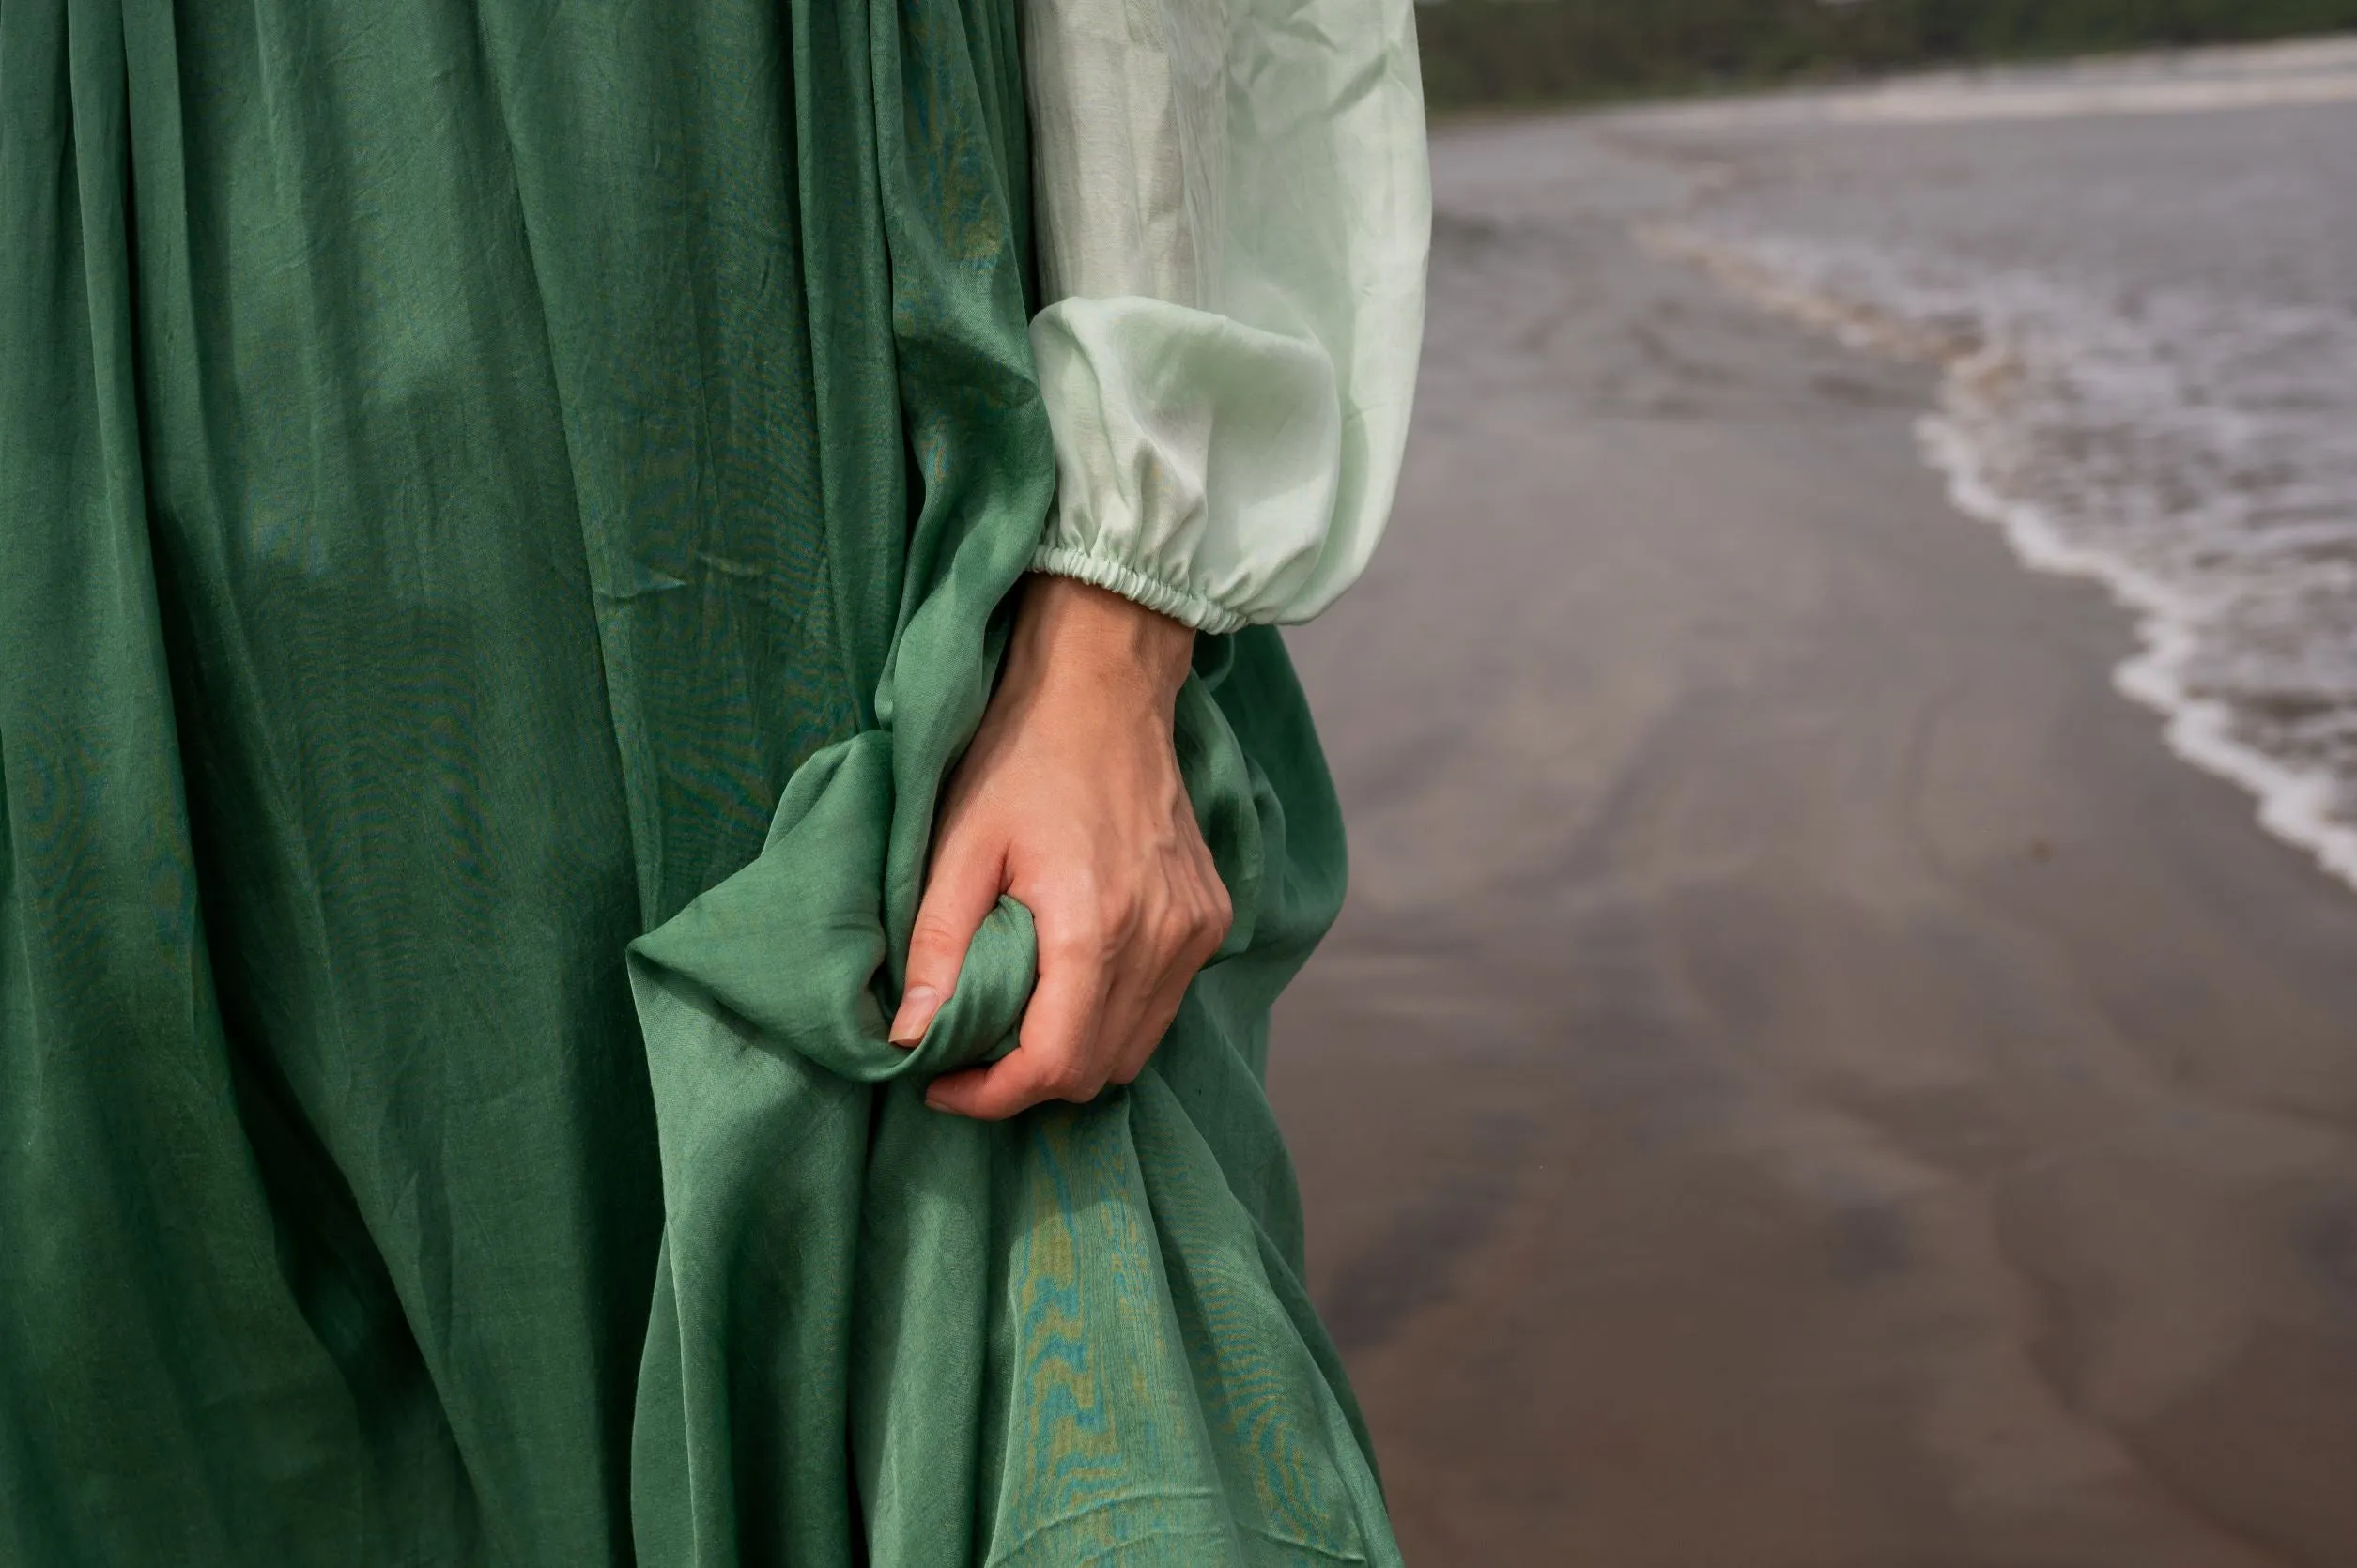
(1806, 1078)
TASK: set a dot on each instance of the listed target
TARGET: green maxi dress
(506, 510)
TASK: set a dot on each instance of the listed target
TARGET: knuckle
(1071, 1079)
(933, 932)
(1096, 930)
(1203, 927)
(995, 1100)
(1120, 917)
(1076, 944)
(1080, 893)
(1213, 936)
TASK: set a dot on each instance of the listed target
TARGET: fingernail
(918, 1006)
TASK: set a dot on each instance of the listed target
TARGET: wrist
(1066, 630)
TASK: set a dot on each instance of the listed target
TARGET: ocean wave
(2195, 454)
(2301, 72)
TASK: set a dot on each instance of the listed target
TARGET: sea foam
(2196, 456)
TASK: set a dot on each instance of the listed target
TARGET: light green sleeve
(1234, 210)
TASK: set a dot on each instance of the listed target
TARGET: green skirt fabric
(506, 516)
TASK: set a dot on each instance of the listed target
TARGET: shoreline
(1805, 1077)
(1696, 104)
(2293, 805)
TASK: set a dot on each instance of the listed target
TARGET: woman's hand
(1069, 799)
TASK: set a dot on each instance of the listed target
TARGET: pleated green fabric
(508, 512)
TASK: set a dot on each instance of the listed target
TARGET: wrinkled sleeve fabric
(1234, 210)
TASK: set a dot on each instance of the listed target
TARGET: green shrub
(1480, 53)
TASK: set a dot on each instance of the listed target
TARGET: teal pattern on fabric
(507, 516)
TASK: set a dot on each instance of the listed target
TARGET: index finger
(1052, 1062)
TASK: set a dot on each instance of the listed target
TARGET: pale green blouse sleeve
(1234, 210)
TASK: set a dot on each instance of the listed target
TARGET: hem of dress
(1177, 602)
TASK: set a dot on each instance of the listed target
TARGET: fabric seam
(1179, 603)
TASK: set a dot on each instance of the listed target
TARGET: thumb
(963, 887)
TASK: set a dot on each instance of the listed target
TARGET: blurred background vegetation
(1484, 52)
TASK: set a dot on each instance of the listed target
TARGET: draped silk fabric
(508, 512)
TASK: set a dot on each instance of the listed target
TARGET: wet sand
(1806, 1079)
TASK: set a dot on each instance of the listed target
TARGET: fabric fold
(510, 514)
(1068, 1338)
